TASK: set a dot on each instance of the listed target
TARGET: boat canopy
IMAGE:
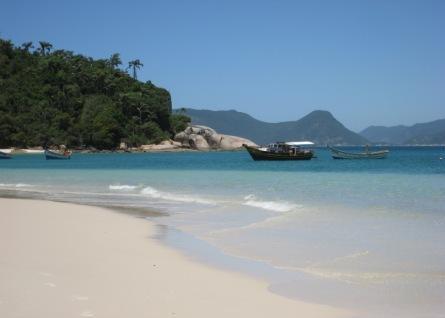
(299, 143)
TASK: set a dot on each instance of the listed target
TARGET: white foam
(124, 187)
(15, 185)
(277, 206)
(154, 193)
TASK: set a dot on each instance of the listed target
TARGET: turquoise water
(366, 235)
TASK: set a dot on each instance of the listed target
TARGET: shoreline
(62, 259)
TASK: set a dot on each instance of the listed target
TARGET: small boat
(50, 154)
(339, 154)
(291, 150)
(4, 155)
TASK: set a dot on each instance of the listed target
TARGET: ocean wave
(366, 277)
(277, 206)
(154, 193)
(124, 187)
(15, 185)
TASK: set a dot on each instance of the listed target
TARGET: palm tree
(135, 65)
(26, 46)
(115, 60)
(45, 47)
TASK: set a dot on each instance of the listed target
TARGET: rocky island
(202, 138)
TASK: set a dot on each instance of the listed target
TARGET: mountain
(424, 133)
(319, 126)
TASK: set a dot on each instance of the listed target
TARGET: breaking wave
(154, 193)
(15, 185)
(124, 187)
(277, 206)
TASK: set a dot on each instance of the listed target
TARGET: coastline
(63, 259)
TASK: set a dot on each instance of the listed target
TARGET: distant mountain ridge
(423, 134)
(318, 126)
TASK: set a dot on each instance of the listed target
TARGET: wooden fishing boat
(292, 150)
(339, 154)
(50, 154)
(4, 155)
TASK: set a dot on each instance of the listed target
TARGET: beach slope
(65, 260)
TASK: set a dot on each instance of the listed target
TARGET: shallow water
(362, 234)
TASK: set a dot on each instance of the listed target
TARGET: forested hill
(52, 97)
(318, 126)
(419, 134)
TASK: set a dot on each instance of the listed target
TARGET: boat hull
(338, 154)
(51, 155)
(4, 155)
(257, 154)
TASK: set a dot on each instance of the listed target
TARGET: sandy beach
(65, 260)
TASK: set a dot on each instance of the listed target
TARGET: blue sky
(368, 62)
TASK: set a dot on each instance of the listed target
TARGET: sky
(375, 62)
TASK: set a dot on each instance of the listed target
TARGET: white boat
(9, 150)
(49, 154)
(4, 155)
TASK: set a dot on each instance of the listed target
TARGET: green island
(52, 97)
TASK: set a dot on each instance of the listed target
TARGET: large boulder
(228, 142)
(198, 142)
(205, 138)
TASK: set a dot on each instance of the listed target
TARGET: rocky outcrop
(205, 138)
(166, 145)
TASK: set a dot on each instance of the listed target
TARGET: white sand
(63, 260)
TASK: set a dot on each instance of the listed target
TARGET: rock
(205, 138)
(200, 130)
(198, 142)
(165, 145)
(123, 146)
(233, 142)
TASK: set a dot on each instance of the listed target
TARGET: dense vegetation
(52, 97)
(318, 126)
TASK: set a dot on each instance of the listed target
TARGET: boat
(4, 155)
(291, 150)
(50, 154)
(340, 154)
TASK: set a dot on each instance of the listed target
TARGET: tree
(179, 122)
(71, 99)
(115, 60)
(135, 65)
(100, 122)
(45, 47)
(26, 46)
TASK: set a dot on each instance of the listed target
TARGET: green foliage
(58, 97)
(179, 122)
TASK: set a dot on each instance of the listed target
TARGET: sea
(364, 235)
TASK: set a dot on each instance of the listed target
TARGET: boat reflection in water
(291, 150)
